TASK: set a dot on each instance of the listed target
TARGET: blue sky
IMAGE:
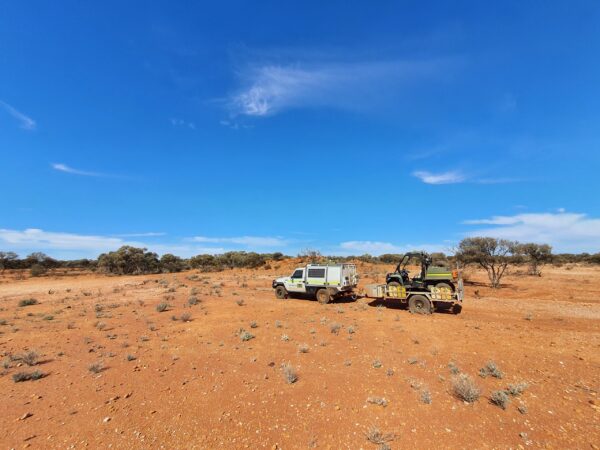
(276, 126)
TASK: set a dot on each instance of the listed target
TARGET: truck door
(297, 282)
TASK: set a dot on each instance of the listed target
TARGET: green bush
(129, 260)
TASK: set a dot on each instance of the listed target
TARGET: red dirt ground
(196, 384)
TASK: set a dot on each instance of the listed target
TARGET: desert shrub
(186, 317)
(26, 376)
(131, 357)
(129, 260)
(376, 364)
(253, 324)
(30, 358)
(37, 270)
(335, 328)
(193, 300)
(426, 396)
(516, 389)
(491, 369)
(240, 302)
(96, 367)
(245, 335)
(285, 337)
(278, 324)
(162, 307)
(377, 437)
(465, 388)
(454, 370)
(3, 322)
(303, 348)
(289, 373)
(500, 398)
(380, 401)
(28, 302)
(350, 329)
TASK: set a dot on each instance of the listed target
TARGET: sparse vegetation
(245, 335)
(465, 388)
(186, 317)
(375, 436)
(26, 376)
(285, 337)
(131, 357)
(289, 373)
(380, 401)
(303, 348)
(253, 324)
(500, 398)
(193, 300)
(426, 396)
(28, 302)
(376, 364)
(335, 328)
(96, 367)
(491, 369)
(516, 389)
(30, 358)
(162, 307)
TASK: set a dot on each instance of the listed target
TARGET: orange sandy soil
(197, 385)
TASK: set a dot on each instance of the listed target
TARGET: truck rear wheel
(323, 296)
(419, 304)
(281, 292)
(456, 308)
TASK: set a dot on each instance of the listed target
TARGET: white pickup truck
(321, 281)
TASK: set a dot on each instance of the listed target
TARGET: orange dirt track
(196, 384)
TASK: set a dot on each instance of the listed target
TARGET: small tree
(493, 255)
(171, 263)
(312, 255)
(537, 255)
(6, 258)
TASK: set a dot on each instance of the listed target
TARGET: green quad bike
(430, 276)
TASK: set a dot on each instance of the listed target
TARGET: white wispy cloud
(182, 123)
(450, 177)
(269, 89)
(566, 232)
(73, 245)
(145, 234)
(26, 122)
(249, 241)
(377, 248)
(67, 169)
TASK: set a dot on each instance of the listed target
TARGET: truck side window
(297, 274)
(316, 273)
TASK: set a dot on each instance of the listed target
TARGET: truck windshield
(297, 274)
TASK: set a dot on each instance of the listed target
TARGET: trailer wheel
(419, 304)
(323, 296)
(456, 308)
(281, 292)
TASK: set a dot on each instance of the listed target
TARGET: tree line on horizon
(491, 254)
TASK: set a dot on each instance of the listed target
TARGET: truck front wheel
(419, 304)
(323, 296)
(281, 292)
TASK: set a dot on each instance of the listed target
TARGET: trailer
(420, 300)
(324, 282)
